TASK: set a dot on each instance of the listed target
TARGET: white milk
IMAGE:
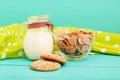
(37, 42)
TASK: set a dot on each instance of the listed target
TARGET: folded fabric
(10, 46)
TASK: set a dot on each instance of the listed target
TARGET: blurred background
(103, 15)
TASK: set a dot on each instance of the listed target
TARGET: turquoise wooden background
(101, 15)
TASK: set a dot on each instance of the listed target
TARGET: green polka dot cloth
(10, 46)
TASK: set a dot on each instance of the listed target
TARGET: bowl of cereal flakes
(75, 45)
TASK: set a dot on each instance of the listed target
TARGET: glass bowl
(75, 45)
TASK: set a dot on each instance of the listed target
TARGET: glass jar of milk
(38, 38)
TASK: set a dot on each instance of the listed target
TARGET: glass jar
(38, 38)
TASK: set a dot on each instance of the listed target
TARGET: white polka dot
(1, 28)
(103, 50)
(107, 38)
(6, 49)
(12, 32)
(20, 53)
(4, 34)
(14, 44)
(116, 46)
(8, 32)
(98, 32)
(3, 56)
(9, 43)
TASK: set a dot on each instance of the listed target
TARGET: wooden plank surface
(94, 67)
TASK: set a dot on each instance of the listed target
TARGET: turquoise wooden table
(103, 15)
(94, 67)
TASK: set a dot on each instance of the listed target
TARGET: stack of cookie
(50, 62)
(75, 43)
